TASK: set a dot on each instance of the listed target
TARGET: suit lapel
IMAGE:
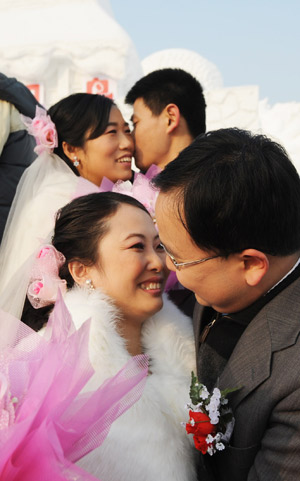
(250, 362)
(275, 327)
(197, 318)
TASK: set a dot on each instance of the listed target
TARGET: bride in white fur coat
(114, 269)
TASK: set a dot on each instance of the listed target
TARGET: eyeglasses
(178, 265)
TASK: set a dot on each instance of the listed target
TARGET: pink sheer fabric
(141, 188)
(46, 423)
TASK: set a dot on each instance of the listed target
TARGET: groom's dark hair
(234, 190)
(172, 85)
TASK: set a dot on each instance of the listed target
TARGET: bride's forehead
(129, 212)
(129, 218)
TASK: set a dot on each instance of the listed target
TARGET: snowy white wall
(241, 107)
(232, 107)
(282, 122)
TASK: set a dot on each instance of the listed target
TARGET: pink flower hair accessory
(44, 279)
(43, 130)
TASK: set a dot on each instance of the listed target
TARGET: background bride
(84, 136)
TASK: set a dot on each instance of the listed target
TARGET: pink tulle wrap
(46, 424)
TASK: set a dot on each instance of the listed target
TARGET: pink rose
(37, 287)
(48, 135)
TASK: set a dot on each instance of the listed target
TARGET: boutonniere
(211, 420)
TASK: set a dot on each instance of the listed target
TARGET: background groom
(168, 113)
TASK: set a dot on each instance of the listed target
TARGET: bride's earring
(89, 285)
(76, 162)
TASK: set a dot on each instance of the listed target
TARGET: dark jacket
(265, 444)
(17, 153)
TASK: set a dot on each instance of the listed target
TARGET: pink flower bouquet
(46, 423)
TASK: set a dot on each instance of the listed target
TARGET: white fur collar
(146, 443)
(167, 337)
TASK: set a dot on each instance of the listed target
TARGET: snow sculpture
(62, 46)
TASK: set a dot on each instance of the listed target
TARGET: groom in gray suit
(228, 215)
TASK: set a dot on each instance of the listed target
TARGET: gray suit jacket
(265, 444)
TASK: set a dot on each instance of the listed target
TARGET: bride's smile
(131, 266)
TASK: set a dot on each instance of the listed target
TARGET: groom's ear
(256, 265)
(79, 272)
(172, 116)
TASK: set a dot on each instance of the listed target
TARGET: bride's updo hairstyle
(82, 223)
(78, 118)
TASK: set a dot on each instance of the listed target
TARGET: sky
(253, 42)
